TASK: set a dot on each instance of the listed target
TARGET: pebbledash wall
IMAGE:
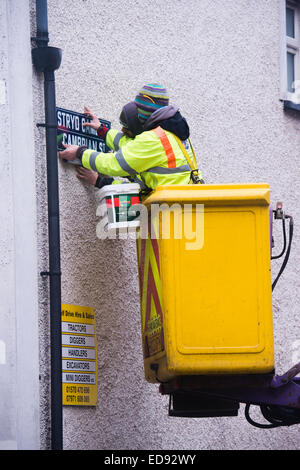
(222, 67)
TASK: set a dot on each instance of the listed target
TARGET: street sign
(79, 355)
(70, 130)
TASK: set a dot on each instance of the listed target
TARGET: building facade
(233, 72)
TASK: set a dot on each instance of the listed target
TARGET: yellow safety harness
(193, 164)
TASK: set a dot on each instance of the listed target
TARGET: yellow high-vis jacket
(152, 158)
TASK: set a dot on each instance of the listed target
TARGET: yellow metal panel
(216, 300)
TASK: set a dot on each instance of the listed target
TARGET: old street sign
(70, 130)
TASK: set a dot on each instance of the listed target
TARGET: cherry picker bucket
(207, 308)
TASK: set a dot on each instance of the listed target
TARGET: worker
(152, 148)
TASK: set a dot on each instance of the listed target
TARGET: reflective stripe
(167, 171)
(123, 164)
(117, 139)
(92, 160)
(167, 146)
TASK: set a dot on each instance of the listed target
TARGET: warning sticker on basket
(79, 355)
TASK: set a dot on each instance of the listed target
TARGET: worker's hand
(94, 123)
(69, 153)
(87, 176)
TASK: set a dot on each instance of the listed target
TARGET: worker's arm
(92, 177)
(136, 156)
(114, 139)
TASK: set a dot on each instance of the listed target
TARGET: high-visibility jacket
(152, 158)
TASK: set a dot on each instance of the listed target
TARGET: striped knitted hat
(150, 98)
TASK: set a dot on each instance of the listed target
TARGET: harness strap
(193, 164)
(167, 146)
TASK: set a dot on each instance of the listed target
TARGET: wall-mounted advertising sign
(79, 355)
(70, 130)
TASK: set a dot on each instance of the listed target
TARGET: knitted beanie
(150, 98)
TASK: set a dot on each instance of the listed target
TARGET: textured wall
(221, 66)
(7, 314)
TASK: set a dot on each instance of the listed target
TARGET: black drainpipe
(47, 59)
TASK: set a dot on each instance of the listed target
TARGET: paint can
(116, 202)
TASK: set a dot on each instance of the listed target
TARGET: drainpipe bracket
(50, 126)
(48, 273)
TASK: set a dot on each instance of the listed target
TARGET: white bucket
(116, 201)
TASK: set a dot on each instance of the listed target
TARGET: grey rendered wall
(221, 67)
